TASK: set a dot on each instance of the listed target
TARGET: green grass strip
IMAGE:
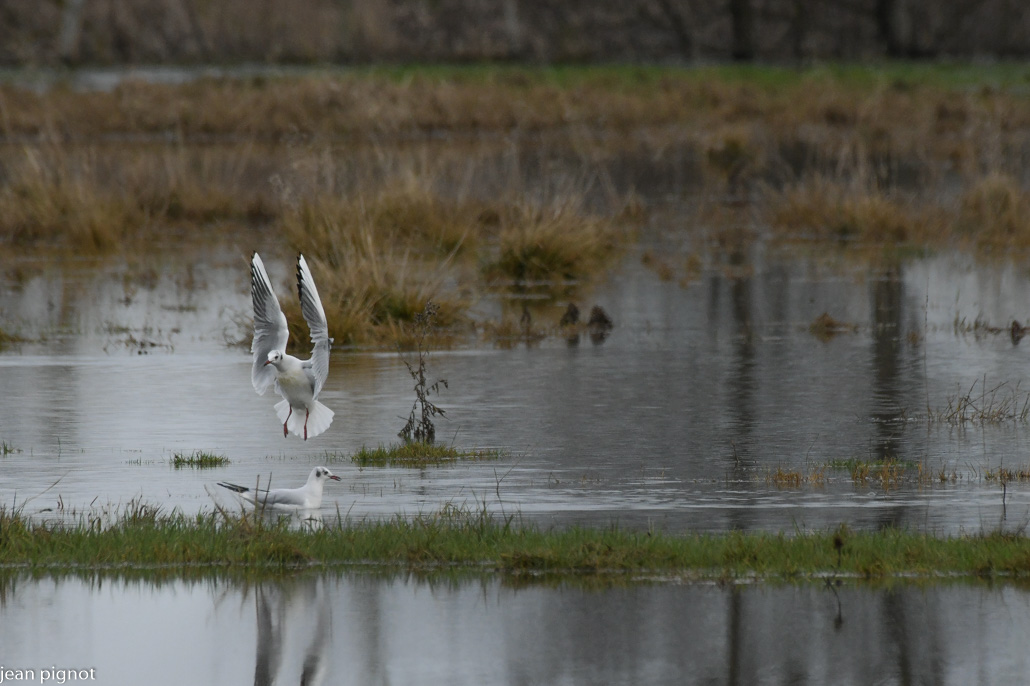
(417, 454)
(144, 537)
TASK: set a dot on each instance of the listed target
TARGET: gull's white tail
(319, 417)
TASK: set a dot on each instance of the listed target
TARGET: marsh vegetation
(504, 196)
(409, 185)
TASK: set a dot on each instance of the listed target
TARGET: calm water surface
(680, 419)
(358, 629)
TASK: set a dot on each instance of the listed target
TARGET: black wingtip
(233, 487)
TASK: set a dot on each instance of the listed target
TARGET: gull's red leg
(285, 432)
(307, 413)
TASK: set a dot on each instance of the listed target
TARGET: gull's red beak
(335, 478)
(267, 362)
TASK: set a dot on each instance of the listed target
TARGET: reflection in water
(742, 381)
(888, 297)
(292, 614)
(365, 629)
(887, 328)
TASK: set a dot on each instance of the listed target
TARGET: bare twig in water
(420, 426)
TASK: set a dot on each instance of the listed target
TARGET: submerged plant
(419, 426)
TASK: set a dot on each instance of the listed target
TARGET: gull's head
(322, 474)
(275, 357)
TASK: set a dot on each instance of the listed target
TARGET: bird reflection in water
(294, 624)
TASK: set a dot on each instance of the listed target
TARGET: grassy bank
(144, 537)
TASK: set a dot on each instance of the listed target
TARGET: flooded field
(772, 366)
(713, 405)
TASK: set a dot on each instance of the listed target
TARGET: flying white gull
(307, 497)
(297, 381)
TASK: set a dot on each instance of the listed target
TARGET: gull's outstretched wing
(314, 315)
(270, 331)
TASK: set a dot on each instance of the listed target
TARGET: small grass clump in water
(1003, 475)
(554, 243)
(855, 464)
(826, 328)
(198, 459)
(1002, 403)
(418, 454)
(795, 478)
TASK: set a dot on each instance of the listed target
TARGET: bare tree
(742, 19)
(677, 16)
(885, 14)
(799, 25)
(195, 29)
(71, 27)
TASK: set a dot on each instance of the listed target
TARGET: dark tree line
(190, 31)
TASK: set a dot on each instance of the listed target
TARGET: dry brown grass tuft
(995, 210)
(824, 210)
(101, 200)
(386, 244)
(369, 281)
(48, 204)
(556, 243)
(199, 185)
